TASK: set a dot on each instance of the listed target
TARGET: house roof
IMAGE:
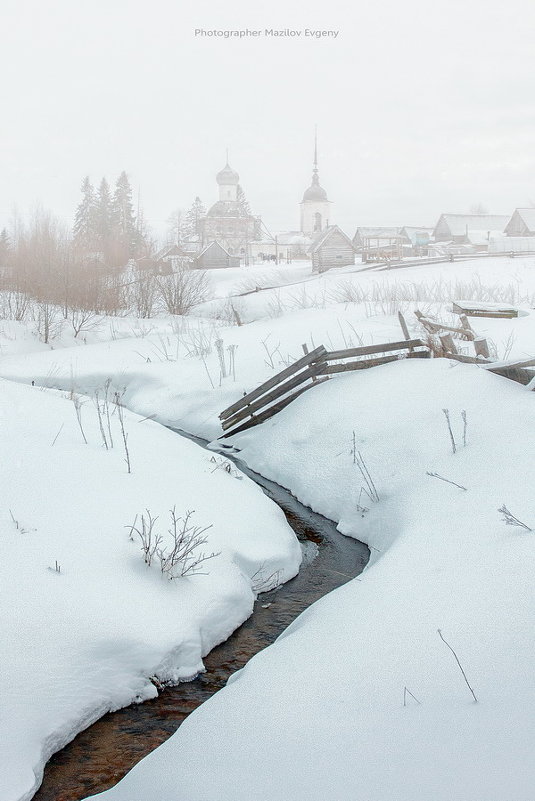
(527, 216)
(377, 231)
(210, 245)
(458, 224)
(324, 235)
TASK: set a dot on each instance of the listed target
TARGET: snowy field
(326, 702)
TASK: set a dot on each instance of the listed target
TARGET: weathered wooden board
(282, 389)
(434, 327)
(367, 350)
(270, 411)
(493, 310)
(512, 365)
(273, 381)
(365, 363)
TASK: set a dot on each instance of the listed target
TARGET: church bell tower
(315, 204)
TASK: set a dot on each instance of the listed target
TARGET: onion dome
(227, 176)
(315, 191)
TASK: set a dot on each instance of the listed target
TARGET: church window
(317, 221)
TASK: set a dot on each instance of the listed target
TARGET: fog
(421, 107)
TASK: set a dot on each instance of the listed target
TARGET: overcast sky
(421, 107)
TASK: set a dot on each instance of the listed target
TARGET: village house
(214, 256)
(417, 238)
(373, 232)
(522, 223)
(469, 229)
(331, 248)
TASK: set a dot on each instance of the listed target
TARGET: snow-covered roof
(527, 216)
(320, 239)
(211, 244)
(458, 224)
(377, 231)
(481, 237)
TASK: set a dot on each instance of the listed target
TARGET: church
(229, 221)
(241, 235)
(315, 214)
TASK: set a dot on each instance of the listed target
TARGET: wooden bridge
(310, 370)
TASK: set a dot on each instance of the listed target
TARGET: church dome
(227, 176)
(315, 191)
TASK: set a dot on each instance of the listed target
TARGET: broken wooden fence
(310, 370)
(516, 370)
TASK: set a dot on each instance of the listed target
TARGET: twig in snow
(447, 415)
(57, 435)
(78, 409)
(465, 426)
(458, 662)
(511, 520)
(120, 414)
(406, 692)
(436, 475)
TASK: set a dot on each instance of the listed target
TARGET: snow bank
(83, 639)
(320, 714)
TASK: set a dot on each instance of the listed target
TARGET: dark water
(102, 754)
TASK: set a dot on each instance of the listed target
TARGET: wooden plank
(481, 347)
(510, 365)
(404, 327)
(305, 351)
(368, 350)
(435, 327)
(365, 363)
(282, 389)
(447, 343)
(273, 381)
(267, 413)
(474, 311)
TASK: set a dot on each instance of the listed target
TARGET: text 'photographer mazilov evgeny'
(267, 33)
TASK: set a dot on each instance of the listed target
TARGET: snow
(320, 714)
(85, 640)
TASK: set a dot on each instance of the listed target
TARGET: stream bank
(102, 754)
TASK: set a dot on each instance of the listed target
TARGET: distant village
(229, 235)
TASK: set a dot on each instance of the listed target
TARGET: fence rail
(309, 371)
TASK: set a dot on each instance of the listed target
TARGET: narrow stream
(102, 754)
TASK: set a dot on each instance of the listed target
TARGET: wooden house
(417, 238)
(469, 229)
(214, 256)
(522, 223)
(375, 232)
(331, 248)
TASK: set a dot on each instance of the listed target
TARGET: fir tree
(84, 229)
(244, 208)
(103, 216)
(191, 221)
(123, 210)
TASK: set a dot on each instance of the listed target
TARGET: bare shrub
(150, 541)
(181, 557)
(183, 289)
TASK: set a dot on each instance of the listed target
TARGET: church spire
(315, 148)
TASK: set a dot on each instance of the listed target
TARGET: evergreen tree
(84, 232)
(190, 226)
(103, 217)
(244, 208)
(123, 210)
